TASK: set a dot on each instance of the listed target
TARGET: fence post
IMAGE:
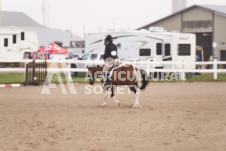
(33, 72)
(69, 72)
(45, 74)
(26, 74)
(215, 69)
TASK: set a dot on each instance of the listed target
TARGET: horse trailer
(155, 45)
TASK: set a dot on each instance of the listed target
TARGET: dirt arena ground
(174, 117)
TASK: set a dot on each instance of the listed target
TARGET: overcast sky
(98, 15)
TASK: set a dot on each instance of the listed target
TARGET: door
(158, 57)
(223, 57)
(205, 40)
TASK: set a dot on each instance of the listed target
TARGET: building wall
(219, 33)
(197, 14)
(173, 23)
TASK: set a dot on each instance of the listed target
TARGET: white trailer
(154, 45)
(17, 43)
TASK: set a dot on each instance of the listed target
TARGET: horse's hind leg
(136, 104)
(136, 90)
(112, 95)
(133, 89)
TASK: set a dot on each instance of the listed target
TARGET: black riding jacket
(110, 51)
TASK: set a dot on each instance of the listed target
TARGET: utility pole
(84, 29)
(71, 32)
(99, 28)
(45, 12)
(114, 24)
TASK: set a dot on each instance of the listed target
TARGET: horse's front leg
(112, 95)
(105, 99)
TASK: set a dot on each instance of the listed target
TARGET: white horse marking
(115, 100)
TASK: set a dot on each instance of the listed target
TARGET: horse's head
(93, 73)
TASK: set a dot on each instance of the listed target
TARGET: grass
(207, 78)
(19, 78)
(199, 78)
(11, 78)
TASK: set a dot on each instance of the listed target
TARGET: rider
(110, 57)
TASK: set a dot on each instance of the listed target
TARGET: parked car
(88, 56)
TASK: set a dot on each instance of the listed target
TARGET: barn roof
(17, 19)
(220, 9)
(215, 8)
(45, 34)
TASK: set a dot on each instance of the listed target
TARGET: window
(93, 56)
(145, 52)
(22, 36)
(197, 24)
(184, 49)
(207, 24)
(167, 50)
(85, 57)
(158, 49)
(5, 42)
(14, 39)
(190, 24)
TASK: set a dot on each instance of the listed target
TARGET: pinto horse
(120, 75)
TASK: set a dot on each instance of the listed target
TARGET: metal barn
(208, 22)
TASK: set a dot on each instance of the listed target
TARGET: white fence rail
(67, 66)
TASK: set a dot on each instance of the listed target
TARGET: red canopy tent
(53, 49)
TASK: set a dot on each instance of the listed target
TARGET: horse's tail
(145, 79)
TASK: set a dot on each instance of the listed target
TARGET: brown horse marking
(121, 75)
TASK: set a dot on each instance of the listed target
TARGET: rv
(155, 45)
(17, 44)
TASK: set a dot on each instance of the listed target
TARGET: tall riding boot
(107, 81)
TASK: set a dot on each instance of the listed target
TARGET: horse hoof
(103, 105)
(137, 106)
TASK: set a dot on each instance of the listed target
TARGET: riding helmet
(109, 37)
